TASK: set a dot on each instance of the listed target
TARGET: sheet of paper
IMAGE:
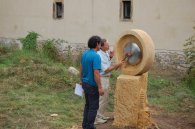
(78, 90)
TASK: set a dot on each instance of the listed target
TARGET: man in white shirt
(106, 68)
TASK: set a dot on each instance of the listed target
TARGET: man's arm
(113, 67)
(98, 82)
(116, 66)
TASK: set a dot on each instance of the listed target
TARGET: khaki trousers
(103, 100)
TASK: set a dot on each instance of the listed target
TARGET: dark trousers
(91, 106)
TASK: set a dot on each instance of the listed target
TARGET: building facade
(168, 22)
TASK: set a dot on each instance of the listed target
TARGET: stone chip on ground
(54, 115)
(73, 71)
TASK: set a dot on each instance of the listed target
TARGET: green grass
(32, 87)
(170, 95)
(33, 109)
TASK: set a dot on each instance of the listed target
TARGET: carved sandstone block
(130, 99)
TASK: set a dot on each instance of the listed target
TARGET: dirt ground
(163, 120)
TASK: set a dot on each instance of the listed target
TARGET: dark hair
(94, 41)
(103, 41)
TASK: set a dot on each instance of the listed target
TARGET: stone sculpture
(131, 107)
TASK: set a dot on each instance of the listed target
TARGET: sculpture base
(131, 101)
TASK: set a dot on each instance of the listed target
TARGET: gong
(137, 48)
(134, 49)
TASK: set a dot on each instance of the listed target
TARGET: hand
(127, 54)
(101, 91)
(122, 62)
(81, 83)
(130, 54)
(119, 64)
(111, 54)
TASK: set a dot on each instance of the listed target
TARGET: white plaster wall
(168, 22)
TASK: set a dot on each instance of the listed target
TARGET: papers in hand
(78, 90)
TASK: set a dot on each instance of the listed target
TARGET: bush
(191, 79)
(50, 49)
(30, 41)
(189, 51)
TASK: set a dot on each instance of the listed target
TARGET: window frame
(122, 17)
(55, 10)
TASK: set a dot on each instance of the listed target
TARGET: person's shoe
(103, 117)
(99, 121)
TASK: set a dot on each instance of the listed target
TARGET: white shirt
(105, 62)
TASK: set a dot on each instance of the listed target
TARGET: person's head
(94, 42)
(104, 45)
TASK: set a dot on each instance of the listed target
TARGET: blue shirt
(90, 61)
(105, 62)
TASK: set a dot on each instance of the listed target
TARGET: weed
(4, 49)
(30, 41)
(4, 52)
(50, 49)
(113, 79)
(189, 51)
(77, 62)
(69, 57)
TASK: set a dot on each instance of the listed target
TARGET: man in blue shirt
(90, 77)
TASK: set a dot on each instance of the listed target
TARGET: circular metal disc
(135, 50)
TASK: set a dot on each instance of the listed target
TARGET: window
(58, 9)
(126, 9)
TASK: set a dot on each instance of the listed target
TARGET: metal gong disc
(134, 49)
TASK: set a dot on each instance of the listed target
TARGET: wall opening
(126, 10)
(58, 9)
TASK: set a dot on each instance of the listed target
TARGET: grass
(33, 87)
(170, 95)
(25, 109)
